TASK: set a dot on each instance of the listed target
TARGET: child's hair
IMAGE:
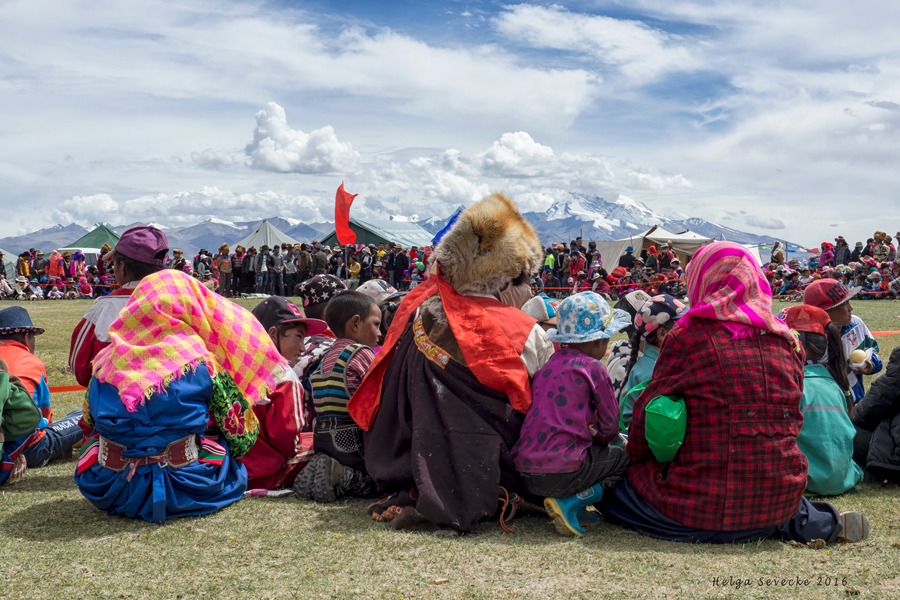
(343, 307)
(652, 339)
(817, 346)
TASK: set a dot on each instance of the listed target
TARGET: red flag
(342, 203)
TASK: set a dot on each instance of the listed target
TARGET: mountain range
(594, 218)
(591, 217)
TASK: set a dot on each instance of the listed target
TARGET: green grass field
(55, 544)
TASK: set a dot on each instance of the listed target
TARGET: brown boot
(856, 527)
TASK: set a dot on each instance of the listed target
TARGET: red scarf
(486, 348)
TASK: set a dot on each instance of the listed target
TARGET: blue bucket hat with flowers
(586, 317)
(656, 312)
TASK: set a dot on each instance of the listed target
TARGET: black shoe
(356, 484)
(303, 484)
(327, 475)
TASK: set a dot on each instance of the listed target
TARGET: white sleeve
(538, 350)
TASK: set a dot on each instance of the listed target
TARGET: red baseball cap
(828, 293)
(805, 318)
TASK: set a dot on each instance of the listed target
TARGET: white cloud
(762, 223)
(213, 159)
(277, 147)
(189, 207)
(636, 49)
(517, 164)
(770, 106)
(516, 154)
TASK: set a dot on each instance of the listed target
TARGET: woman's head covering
(172, 323)
(651, 250)
(656, 312)
(725, 283)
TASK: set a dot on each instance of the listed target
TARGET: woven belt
(177, 454)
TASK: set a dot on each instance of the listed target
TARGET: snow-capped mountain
(58, 236)
(595, 218)
(592, 217)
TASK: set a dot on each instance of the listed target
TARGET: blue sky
(770, 117)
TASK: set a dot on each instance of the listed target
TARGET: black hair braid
(837, 362)
(635, 341)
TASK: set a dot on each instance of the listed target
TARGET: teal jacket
(641, 372)
(826, 437)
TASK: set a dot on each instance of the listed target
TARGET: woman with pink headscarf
(739, 475)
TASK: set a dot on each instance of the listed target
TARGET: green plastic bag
(664, 426)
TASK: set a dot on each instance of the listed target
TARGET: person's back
(320, 262)
(339, 467)
(626, 260)
(741, 451)
(826, 437)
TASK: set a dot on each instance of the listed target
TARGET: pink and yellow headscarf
(172, 323)
(725, 283)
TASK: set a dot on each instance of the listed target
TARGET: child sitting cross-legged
(338, 469)
(558, 455)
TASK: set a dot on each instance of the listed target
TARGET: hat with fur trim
(490, 246)
(542, 308)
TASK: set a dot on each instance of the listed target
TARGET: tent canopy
(266, 234)
(9, 261)
(684, 244)
(370, 231)
(96, 238)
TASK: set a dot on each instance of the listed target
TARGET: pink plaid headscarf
(171, 324)
(725, 283)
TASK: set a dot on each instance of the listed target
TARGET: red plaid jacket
(740, 467)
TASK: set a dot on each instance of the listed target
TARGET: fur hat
(489, 246)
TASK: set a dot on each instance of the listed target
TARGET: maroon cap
(828, 293)
(144, 243)
(275, 310)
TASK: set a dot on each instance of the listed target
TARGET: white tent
(754, 250)
(266, 234)
(9, 261)
(684, 244)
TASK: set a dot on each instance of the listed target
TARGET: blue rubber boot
(564, 511)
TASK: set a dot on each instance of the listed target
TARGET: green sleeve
(233, 415)
(19, 413)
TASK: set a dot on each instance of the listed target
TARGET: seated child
(37, 292)
(791, 285)
(285, 442)
(85, 291)
(826, 437)
(557, 455)
(338, 468)
(71, 293)
(806, 279)
(656, 318)
(620, 351)
(54, 294)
